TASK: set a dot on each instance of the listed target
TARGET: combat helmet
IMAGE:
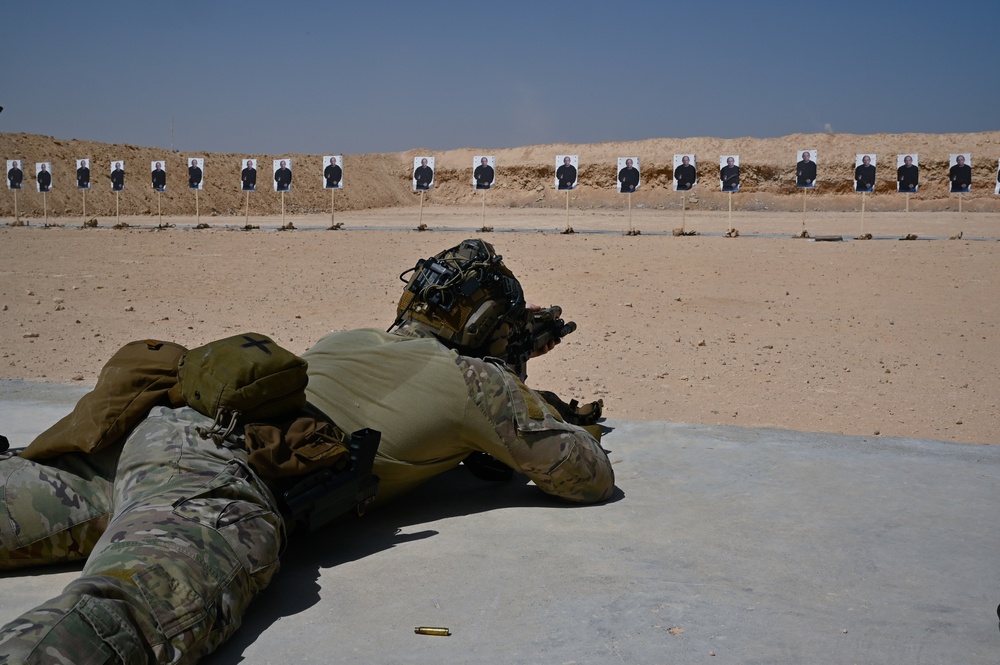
(467, 298)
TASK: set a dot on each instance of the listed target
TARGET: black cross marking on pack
(259, 343)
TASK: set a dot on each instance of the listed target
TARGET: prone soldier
(180, 533)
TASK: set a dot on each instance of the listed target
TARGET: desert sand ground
(865, 337)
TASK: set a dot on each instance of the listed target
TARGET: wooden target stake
(804, 190)
(17, 215)
(84, 205)
(631, 230)
(282, 209)
(960, 201)
(420, 219)
(730, 212)
(248, 208)
(567, 210)
(684, 206)
(118, 212)
(333, 205)
(484, 208)
(45, 208)
(863, 195)
(197, 210)
(159, 211)
(907, 202)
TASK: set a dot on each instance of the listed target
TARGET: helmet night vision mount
(467, 298)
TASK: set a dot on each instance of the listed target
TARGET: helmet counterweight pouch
(241, 379)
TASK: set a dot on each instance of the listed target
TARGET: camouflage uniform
(191, 537)
(180, 533)
(434, 407)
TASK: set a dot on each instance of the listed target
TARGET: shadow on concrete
(296, 587)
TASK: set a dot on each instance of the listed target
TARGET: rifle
(544, 326)
(325, 495)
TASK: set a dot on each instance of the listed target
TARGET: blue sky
(374, 76)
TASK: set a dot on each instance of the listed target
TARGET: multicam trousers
(181, 536)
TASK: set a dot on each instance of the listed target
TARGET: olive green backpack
(241, 379)
(238, 380)
(139, 376)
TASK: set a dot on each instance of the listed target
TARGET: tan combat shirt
(434, 407)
